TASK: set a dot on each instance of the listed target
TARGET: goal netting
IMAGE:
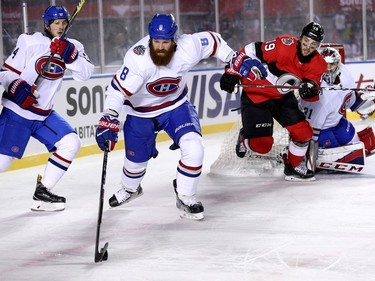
(229, 164)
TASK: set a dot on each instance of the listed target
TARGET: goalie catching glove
(107, 131)
(364, 106)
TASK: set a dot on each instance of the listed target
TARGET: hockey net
(229, 164)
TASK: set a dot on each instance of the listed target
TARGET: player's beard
(164, 58)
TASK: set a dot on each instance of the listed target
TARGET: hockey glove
(19, 92)
(248, 67)
(309, 90)
(228, 81)
(107, 130)
(66, 50)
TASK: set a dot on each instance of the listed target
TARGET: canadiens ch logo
(345, 104)
(55, 69)
(164, 86)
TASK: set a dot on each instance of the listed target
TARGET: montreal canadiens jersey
(148, 90)
(26, 62)
(332, 105)
(283, 66)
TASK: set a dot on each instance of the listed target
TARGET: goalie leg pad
(351, 153)
(367, 137)
(348, 158)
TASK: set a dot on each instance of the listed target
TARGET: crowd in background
(239, 21)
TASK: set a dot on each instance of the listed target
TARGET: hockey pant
(189, 167)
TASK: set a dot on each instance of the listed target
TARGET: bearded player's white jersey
(149, 90)
(330, 108)
(27, 60)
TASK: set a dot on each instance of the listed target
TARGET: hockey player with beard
(289, 61)
(152, 85)
(327, 116)
(28, 114)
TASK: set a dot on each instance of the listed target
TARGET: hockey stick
(45, 66)
(101, 255)
(277, 158)
(257, 74)
(290, 87)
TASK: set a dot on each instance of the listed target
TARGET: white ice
(255, 228)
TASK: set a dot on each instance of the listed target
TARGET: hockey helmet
(333, 59)
(314, 31)
(162, 26)
(55, 12)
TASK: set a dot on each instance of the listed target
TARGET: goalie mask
(333, 59)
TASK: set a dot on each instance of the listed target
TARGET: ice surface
(255, 228)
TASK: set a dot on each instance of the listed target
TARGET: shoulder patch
(139, 50)
(287, 41)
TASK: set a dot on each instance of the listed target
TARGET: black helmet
(314, 31)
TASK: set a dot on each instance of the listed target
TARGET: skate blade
(127, 201)
(293, 178)
(40, 206)
(190, 216)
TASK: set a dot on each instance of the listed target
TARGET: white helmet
(333, 59)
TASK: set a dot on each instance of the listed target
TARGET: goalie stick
(290, 87)
(101, 255)
(369, 93)
(45, 66)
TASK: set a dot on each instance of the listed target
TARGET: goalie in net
(341, 147)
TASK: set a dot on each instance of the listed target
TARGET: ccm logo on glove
(107, 131)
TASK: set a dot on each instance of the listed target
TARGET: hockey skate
(240, 148)
(188, 205)
(45, 200)
(124, 196)
(299, 173)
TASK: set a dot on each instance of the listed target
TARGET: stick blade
(102, 255)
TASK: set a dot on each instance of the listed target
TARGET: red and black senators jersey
(284, 67)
